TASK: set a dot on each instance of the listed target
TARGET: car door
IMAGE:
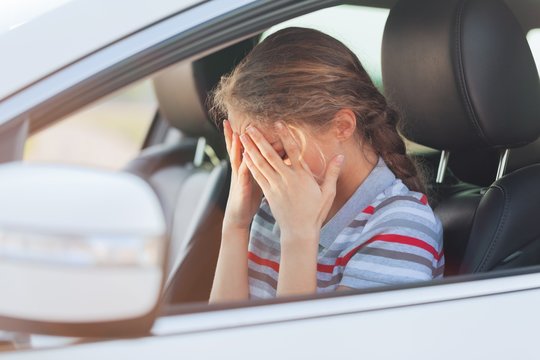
(486, 318)
(449, 318)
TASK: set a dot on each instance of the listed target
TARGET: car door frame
(473, 312)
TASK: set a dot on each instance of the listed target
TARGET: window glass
(359, 27)
(533, 37)
(106, 134)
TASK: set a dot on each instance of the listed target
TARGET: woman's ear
(344, 124)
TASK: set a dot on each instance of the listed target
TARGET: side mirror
(81, 251)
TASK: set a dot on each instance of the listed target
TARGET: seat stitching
(461, 77)
(488, 256)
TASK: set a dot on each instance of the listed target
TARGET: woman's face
(317, 149)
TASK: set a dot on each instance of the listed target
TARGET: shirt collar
(378, 179)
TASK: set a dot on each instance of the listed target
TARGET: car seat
(464, 78)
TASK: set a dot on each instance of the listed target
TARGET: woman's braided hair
(303, 76)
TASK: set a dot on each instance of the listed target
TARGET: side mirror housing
(81, 251)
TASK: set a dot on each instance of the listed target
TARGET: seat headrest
(182, 90)
(462, 74)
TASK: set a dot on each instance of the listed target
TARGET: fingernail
(279, 125)
(243, 137)
(251, 130)
(339, 159)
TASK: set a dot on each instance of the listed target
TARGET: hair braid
(381, 130)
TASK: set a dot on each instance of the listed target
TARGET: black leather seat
(506, 228)
(192, 186)
(463, 75)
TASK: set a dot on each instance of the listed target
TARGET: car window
(105, 134)
(533, 37)
(359, 27)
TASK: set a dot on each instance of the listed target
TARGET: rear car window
(533, 37)
(359, 27)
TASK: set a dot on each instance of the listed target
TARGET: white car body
(68, 32)
(462, 320)
(485, 317)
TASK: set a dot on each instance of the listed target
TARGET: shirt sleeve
(397, 249)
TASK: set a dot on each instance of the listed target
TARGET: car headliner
(65, 33)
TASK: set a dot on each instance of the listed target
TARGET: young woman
(323, 196)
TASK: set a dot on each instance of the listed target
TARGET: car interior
(463, 76)
(466, 82)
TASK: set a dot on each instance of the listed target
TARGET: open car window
(533, 37)
(106, 134)
(360, 28)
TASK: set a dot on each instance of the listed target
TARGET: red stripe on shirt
(408, 240)
(265, 262)
(342, 261)
(423, 199)
(393, 238)
(325, 268)
(369, 210)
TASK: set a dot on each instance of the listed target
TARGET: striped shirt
(384, 234)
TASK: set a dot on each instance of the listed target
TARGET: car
(119, 263)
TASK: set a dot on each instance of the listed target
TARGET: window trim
(186, 35)
(172, 320)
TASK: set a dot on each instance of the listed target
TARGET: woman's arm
(298, 266)
(231, 278)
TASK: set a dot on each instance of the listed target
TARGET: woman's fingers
(235, 154)
(265, 149)
(227, 131)
(243, 171)
(289, 144)
(331, 176)
(255, 172)
(257, 159)
(234, 147)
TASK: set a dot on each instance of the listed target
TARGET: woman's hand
(299, 204)
(244, 193)
(231, 275)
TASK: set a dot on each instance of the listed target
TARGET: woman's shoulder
(400, 220)
(398, 202)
